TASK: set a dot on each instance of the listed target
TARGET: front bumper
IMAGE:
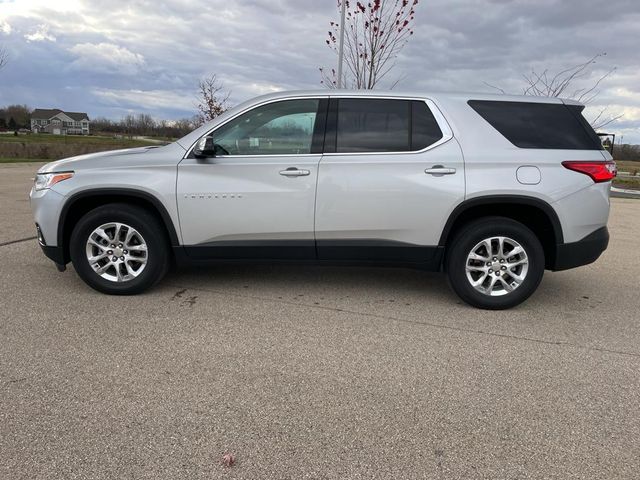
(46, 206)
(582, 252)
(56, 254)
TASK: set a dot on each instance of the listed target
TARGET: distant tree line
(15, 117)
(213, 101)
(143, 124)
(626, 152)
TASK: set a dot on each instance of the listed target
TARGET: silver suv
(490, 189)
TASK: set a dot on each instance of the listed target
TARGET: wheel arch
(536, 214)
(82, 202)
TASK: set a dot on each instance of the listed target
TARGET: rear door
(256, 198)
(388, 180)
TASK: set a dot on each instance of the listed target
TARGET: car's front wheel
(495, 263)
(119, 249)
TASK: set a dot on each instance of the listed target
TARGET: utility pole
(341, 46)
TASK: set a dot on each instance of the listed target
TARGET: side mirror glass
(205, 147)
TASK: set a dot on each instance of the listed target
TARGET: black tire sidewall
(475, 232)
(143, 222)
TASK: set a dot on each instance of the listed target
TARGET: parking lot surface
(315, 372)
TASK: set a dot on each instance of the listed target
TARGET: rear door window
(380, 125)
(372, 125)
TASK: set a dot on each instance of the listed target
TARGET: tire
(513, 284)
(137, 269)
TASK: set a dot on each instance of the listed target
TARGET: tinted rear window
(539, 125)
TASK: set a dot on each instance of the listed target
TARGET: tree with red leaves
(374, 34)
(213, 99)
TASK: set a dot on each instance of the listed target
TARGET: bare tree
(213, 99)
(4, 57)
(374, 35)
(569, 83)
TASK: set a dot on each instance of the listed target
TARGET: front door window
(282, 128)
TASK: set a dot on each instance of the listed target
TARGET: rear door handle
(294, 172)
(439, 170)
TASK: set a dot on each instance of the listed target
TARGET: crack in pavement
(11, 242)
(388, 317)
(415, 322)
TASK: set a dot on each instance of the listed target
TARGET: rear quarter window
(539, 125)
(424, 127)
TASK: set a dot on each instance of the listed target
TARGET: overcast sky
(109, 58)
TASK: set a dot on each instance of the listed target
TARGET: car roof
(464, 96)
(188, 140)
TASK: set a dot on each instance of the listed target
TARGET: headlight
(48, 180)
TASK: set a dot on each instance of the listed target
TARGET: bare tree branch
(542, 84)
(598, 122)
(401, 78)
(607, 122)
(4, 57)
(586, 93)
(497, 88)
(375, 32)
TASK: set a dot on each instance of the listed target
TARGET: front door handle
(294, 172)
(439, 170)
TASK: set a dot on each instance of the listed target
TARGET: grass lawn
(54, 147)
(21, 160)
(627, 183)
(73, 139)
(630, 166)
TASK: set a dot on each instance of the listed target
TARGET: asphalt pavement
(315, 372)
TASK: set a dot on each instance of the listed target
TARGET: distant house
(57, 122)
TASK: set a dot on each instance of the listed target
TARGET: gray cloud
(113, 57)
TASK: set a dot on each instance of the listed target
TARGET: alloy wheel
(117, 252)
(497, 266)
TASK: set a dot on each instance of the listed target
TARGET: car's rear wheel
(495, 263)
(119, 249)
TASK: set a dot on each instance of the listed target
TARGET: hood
(129, 156)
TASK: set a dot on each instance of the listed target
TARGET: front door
(256, 198)
(389, 179)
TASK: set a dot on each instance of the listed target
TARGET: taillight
(598, 171)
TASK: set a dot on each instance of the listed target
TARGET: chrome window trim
(267, 155)
(445, 128)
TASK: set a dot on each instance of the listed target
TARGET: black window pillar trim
(331, 132)
(320, 126)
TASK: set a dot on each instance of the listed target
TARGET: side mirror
(205, 148)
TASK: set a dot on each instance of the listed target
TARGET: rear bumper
(582, 252)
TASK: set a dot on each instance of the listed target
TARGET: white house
(57, 122)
